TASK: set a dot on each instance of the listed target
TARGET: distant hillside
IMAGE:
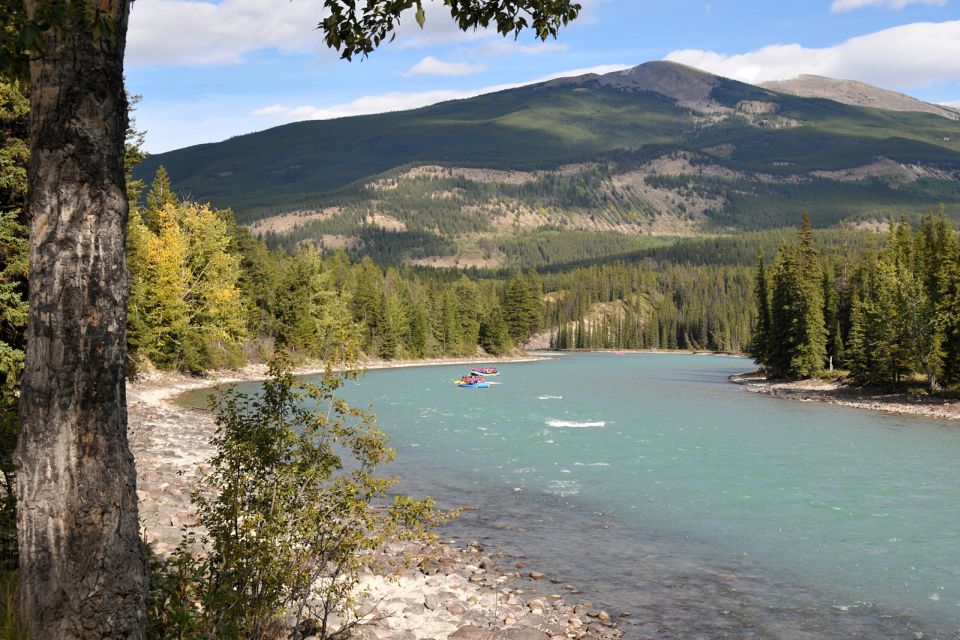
(857, 93)
(659, 149)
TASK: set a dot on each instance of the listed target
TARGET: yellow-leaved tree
(186, 310)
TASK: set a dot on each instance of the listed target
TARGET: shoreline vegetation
(446, 589)
(837, 393)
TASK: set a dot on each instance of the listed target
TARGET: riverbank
(437, 591)
(837, 393)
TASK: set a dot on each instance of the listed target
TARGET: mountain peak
(856, 93)
(678, 81)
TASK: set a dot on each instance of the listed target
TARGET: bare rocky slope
(858, 94)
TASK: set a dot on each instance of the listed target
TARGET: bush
(286, 515)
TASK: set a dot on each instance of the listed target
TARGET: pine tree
(139, 239)
(469, 311)
(859, 354)
(368, 300)
(395, 326)
(494, 333)
(418, 330)
(521, 306)
(759, 348)
(948, 308)
(158, 197)
(831, 318)
(449, 325)
(873, 353)
(785, 291)
(798, 336)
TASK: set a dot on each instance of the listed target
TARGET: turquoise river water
(701, 509)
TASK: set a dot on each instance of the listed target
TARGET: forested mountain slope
(659, 149)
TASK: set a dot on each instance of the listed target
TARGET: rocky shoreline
(837, 393)
(431, 591)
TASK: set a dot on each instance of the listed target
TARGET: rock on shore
(834, 392)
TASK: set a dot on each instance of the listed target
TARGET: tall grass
(11, 626)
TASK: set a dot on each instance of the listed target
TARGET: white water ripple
(570, 424)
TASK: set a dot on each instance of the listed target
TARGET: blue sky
(211, 70)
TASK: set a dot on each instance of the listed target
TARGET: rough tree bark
(83, 573)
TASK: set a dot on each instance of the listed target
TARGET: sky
(208, 71)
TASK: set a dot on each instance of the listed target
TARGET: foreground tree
(83, 573)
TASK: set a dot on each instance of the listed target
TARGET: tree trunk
(82, 566)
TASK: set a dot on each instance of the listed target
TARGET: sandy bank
(837, 393)
(437, 591)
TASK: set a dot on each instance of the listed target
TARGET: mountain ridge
(854, 92)
(660, 148)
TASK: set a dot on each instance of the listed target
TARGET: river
(697, 508)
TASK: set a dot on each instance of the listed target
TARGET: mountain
(857, 93)
(575, 167)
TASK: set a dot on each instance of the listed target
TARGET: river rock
(472, 632)
(524, 633)
(363, 633)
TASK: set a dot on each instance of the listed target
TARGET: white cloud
(909, 55)
(852, 5)
(431, 66)
(398, 101)
(394, 101)
(501, 46)
(196, 32)
(192, 32)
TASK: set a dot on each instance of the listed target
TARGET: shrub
(291, 506)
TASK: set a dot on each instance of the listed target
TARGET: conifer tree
(395, 326)
(521, 307)
(759, 348)
(418, 330)
(948, 308)
(158, 197)
(449, 325)
(494, 333)
(469, 312)
(873, 352)
(860, 356)
(785, 291)
(138, 261)
(831, 318)
(368, 301)
(798, 337)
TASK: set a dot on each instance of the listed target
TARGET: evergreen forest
(888, 315)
